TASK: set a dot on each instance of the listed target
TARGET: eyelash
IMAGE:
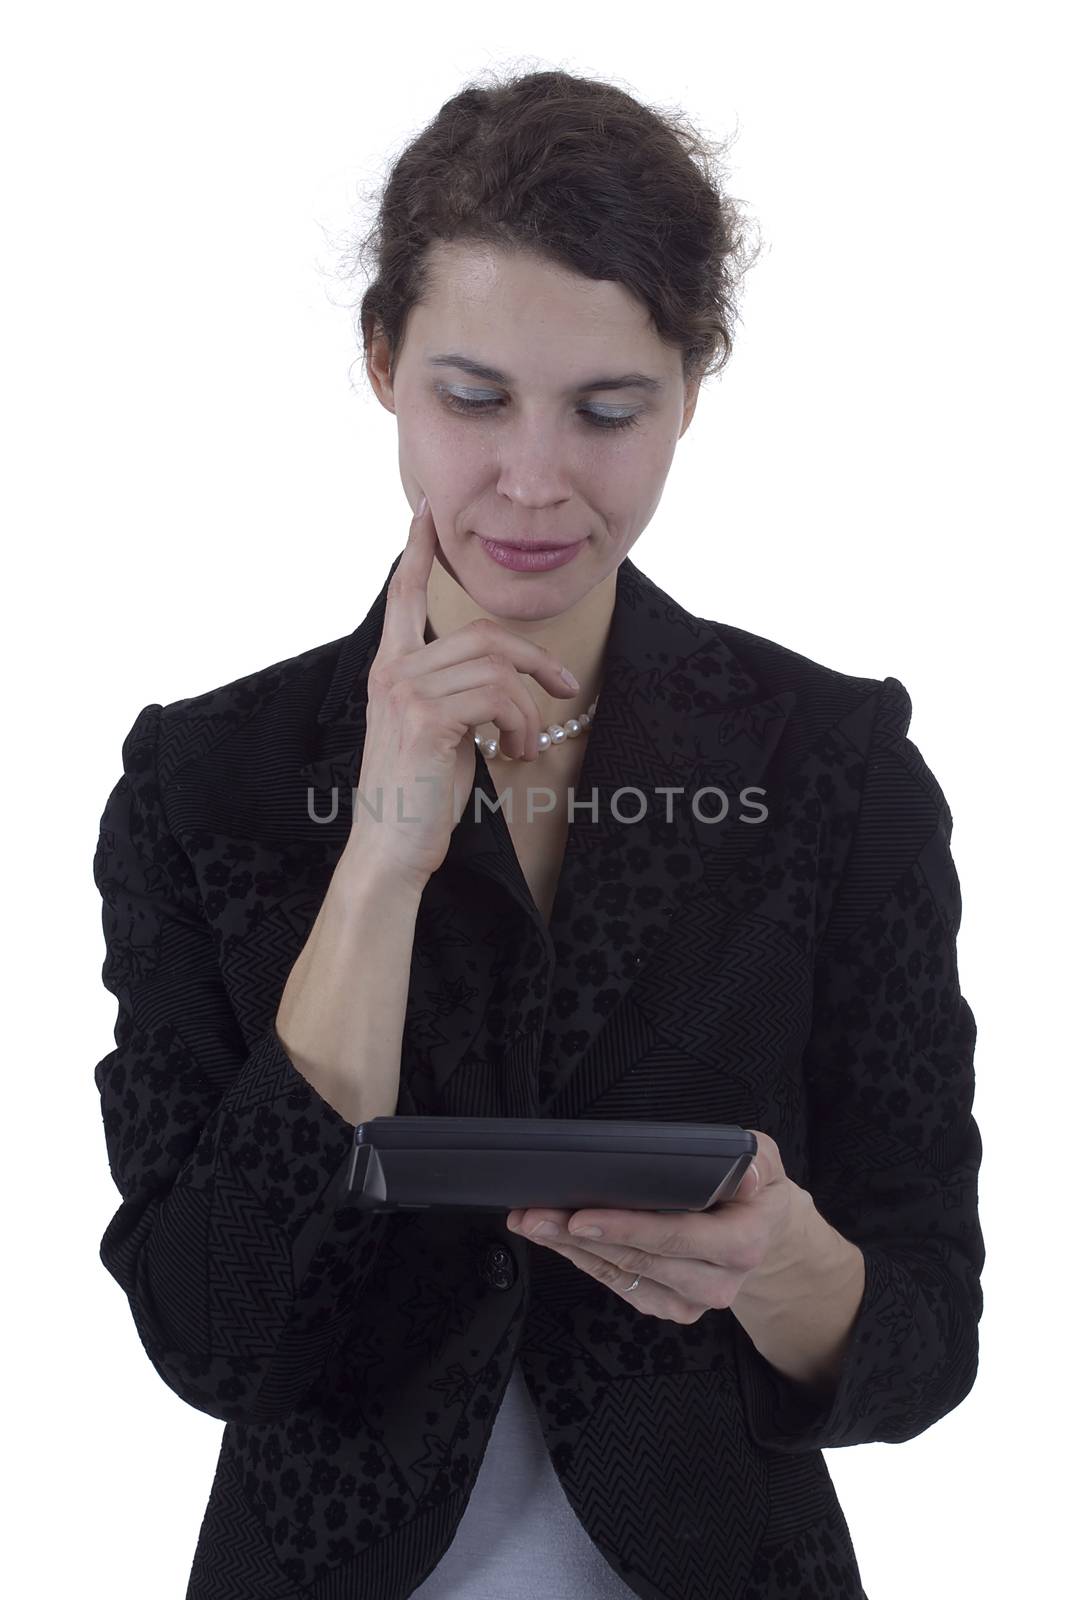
(456, 402)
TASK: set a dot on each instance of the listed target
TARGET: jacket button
(497, 1266)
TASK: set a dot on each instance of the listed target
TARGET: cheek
(423, 441)
(452, 455)
(657, 453)
(629, 492)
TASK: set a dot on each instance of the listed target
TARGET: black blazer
(797, 976)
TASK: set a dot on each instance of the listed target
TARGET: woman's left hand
(689, 1262)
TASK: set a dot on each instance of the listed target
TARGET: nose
(534, 486)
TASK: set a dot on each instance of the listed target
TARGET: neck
(576, 638)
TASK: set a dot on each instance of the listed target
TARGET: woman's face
(548, 452)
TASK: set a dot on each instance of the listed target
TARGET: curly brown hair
(585, 176)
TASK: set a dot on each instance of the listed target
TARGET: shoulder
(777, 666)
(856, 779)
(719, 662)
(845, 739)
(864, 711)
(284, 695)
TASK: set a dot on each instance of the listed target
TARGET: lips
(524, 557)
(530, 544)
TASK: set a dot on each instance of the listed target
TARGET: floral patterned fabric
(794, 973)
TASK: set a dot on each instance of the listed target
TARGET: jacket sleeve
(894, 1149)
(239, 1256)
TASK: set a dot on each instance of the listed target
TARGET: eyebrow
(622, 380)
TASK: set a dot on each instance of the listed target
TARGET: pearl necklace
(555, 733)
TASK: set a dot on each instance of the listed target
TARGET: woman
(438, 1403)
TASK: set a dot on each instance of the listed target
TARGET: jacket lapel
(677, 710)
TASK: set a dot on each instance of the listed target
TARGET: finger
(695, 1235)
(485, 674)
(489, 703)
(690, 1285)
(404, 624)
(525, 1220)
(653, 1295)
(477, 640)
(486, 637)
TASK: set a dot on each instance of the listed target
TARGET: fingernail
(421, 507)
(569, 679)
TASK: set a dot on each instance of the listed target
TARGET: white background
(196, 490)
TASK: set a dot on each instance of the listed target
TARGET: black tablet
(501, 1164)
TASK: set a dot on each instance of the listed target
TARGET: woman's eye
(596, 419)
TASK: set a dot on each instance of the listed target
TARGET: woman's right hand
(424, 701)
